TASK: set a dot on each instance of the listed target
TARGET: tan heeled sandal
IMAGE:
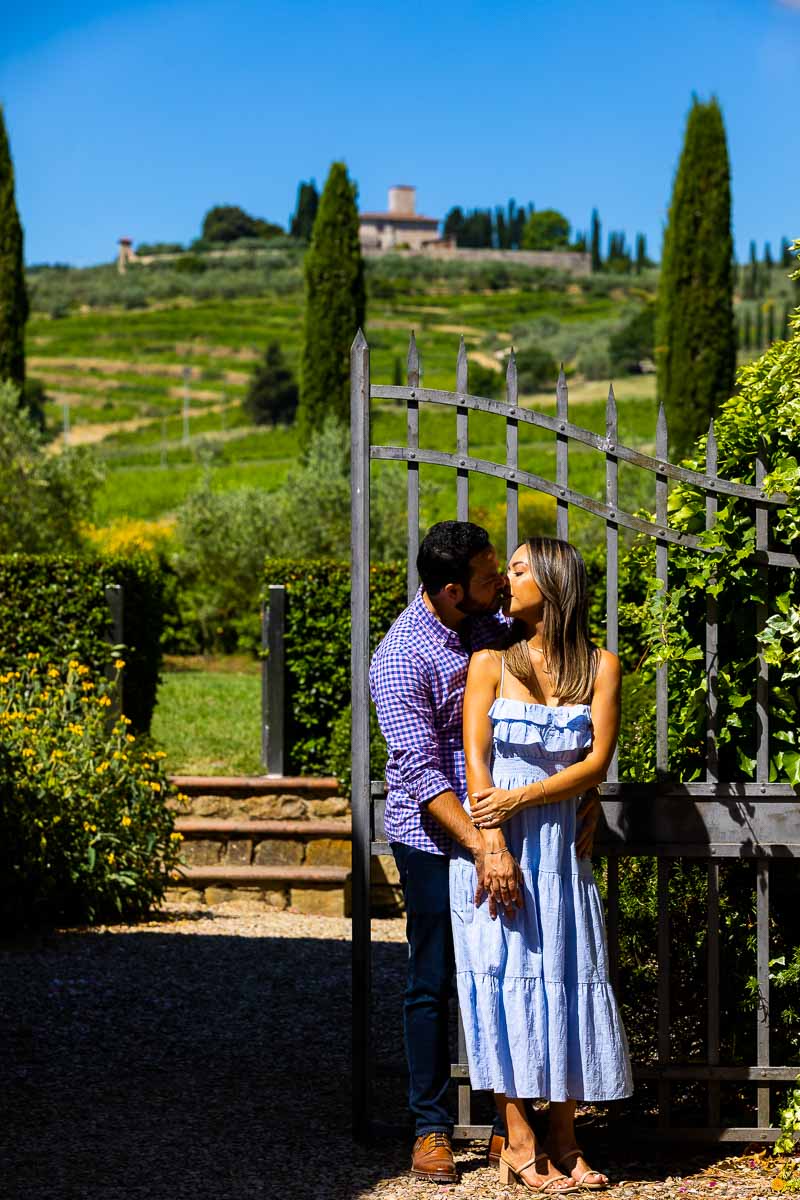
(577, 1153)
(550, 1187)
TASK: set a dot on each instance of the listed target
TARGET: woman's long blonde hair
(570, 657)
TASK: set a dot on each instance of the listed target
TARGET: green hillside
(113, 351)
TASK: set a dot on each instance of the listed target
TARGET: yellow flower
(160, 754)
(126, 820)
(176, 837)
(53, 674)
(32, 656)
(129, 737)
(102, 767)
(104, 701)
(119, 663)
(83, 670)
(156, 787)
(56, 754)
(87, 685)
(86, 826)
(73, 664)
(28, 753)
(110, 858)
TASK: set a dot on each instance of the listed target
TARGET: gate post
(359, 666)
(273, 619)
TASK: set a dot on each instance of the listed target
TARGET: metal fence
(713, 820)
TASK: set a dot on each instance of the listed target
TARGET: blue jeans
(425, 881)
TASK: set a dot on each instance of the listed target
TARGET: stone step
(263, 876)
(323, 891)
(259, 797)
(195, 827)
(255, 785)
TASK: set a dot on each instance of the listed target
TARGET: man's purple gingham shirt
(417, 678)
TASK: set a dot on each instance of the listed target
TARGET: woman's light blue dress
(539, 1014)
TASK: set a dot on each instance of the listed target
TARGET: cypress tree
(302, 222)
(13, 296)
(786, 253)
(770, 323)
(759, 328)
(768, 256)
(641, 253)
(597, 261)
(695, 330)
(335, 305)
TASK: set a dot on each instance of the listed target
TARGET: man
(417, 680)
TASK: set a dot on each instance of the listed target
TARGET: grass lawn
(208, 716)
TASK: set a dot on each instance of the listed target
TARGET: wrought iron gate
(713, 820)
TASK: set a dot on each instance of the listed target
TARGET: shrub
(536, 368)
(56, 606)
(484, 381)
(84, 831)
(46, 497)
(634, 341)
(272, 394)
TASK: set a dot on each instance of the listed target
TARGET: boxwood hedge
(55, 605)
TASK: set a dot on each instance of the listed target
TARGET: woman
(540, 724)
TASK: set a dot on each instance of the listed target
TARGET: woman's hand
(490, 806)
(499, 878)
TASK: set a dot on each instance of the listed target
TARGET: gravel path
(205, 1056)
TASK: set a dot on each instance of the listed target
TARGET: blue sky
(135, 118)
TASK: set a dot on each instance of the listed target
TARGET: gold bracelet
(505, 850)
(544, 793)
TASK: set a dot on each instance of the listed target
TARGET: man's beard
(473, 608)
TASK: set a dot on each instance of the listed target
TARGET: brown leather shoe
(495, 1149)
(432, 1158)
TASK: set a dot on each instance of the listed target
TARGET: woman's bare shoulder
(608, 666)
(485, 664)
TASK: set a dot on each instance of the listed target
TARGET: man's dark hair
(445, 554)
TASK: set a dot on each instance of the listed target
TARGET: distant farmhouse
(400, 227)
(402, 231)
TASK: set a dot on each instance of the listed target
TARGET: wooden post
(359, 666)
(273, 675)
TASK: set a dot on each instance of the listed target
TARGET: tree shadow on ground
(161, 1065)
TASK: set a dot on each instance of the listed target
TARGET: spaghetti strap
(502, 675)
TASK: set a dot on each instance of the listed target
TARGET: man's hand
(588, 814)
(491, 806)
(499, 877)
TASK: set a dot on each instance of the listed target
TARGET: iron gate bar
(562, 457)
(412, 486)
(482, 466)
(577, 433)
(359, 667)
(512, 461)
(612, 546)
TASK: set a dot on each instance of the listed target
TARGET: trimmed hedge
(55, 605)
(317, 648)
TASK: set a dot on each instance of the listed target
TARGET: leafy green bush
(84, 831)
(317, 649)
(56, 606)
(46, 497)
(536, 368)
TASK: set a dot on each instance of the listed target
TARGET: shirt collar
(438, 629)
